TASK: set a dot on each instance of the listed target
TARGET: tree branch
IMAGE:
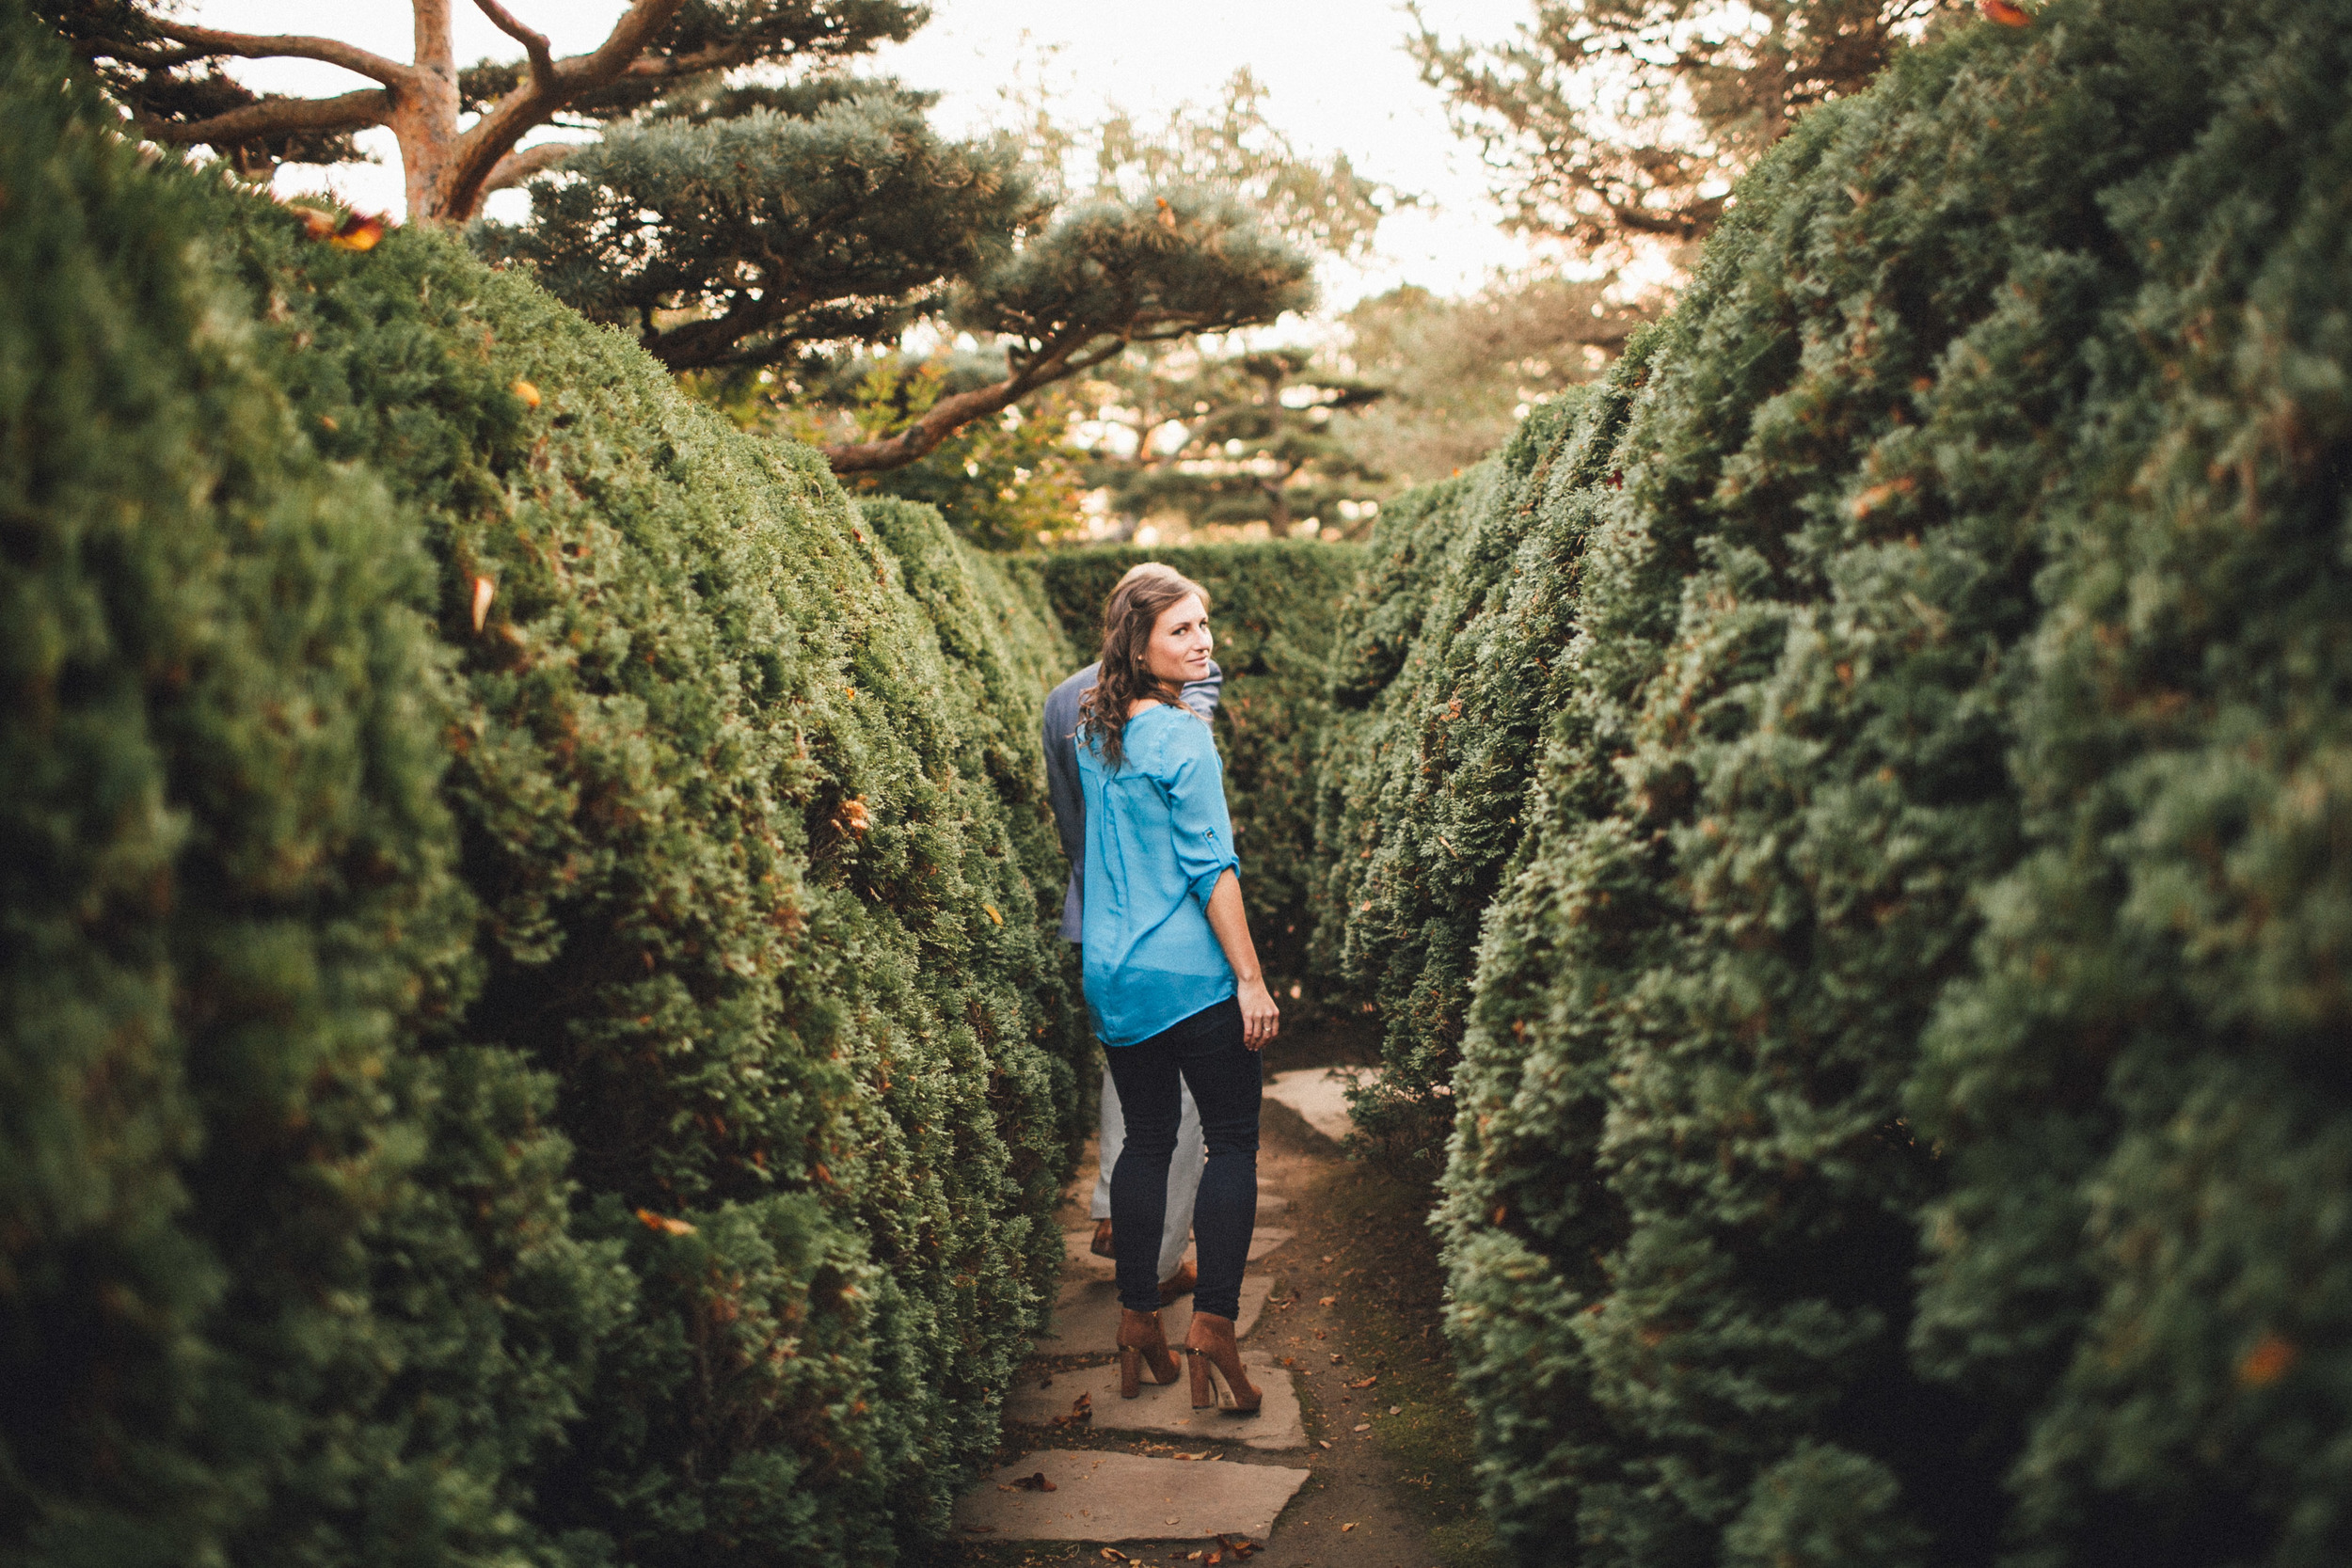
(260, 46)
(947, 415)
(505, 122)
(515, 167)
(352, 111)
(535, 44)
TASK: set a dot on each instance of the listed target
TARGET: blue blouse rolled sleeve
(1193, 781)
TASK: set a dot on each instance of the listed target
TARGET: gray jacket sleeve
(1201, 695)
(1062, 764)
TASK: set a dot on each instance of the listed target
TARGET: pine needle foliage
(533, 1034)
(752, 895)
(1276, 616)
(1440, 692)
(287, 1276)
(1893, 1123)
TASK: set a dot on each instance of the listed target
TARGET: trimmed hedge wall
(1445, 675)
(1899, 1118)
(1277, 620)
(603, 869)
(285, 1276)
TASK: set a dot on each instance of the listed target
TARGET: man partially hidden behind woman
(1173, 982)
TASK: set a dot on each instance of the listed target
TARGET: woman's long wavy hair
(1134, 610)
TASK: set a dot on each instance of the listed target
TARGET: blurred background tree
(1618, 122)
(1460, 374)
(1242, 437)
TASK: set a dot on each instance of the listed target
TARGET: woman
(1172, 976)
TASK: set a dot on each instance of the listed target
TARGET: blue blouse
(1157, 841)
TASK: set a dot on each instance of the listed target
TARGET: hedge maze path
(1157, 1482)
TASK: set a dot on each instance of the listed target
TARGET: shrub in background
(1916, 479)
(1276, 617)
(284, 1272)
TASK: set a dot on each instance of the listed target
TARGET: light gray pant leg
(1184, 1185)
(1183, 1171)
(1113, 1138)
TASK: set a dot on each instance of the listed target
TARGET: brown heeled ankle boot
(1141, 1339)
(1217, 1375)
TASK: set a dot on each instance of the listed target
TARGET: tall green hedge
(1441, 685)
(752, 893)
(1276, 617)
(1898, 1119)
(426, 670)
(284, 1269)
(2144, 1254)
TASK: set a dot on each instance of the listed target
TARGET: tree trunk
(425, 118)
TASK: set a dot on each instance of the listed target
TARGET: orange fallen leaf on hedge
(2006, 12)
(664, 1224)
(2266, 1363)
(353, 231)
(484, 591)
(526, 391)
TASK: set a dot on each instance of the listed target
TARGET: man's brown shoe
(1179, 1284)
(1102, 1246)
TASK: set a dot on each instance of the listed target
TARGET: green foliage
(2141, 1084)
(536, 1034)
(1441, 686)
(782, 222)
(753, 894)
(1626, 120)
(1946, 710)
(1258, 439)
(286, 1277)
(1006, 482)
(1276, 616)
(1459, 374)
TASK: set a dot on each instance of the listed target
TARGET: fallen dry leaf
(664, 1224)
(1327, 1301)
(2006, 12)
(2266, 1363)
(525, 391)
(1365, 1382)
(484, 591)
(1035, 1482)
(1345, 1528)
(992, 914)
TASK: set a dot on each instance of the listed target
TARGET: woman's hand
(1260, 1016)
(1260, 1020)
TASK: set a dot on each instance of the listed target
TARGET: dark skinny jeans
(1207, 1051)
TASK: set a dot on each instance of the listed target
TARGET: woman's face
(1178, 650)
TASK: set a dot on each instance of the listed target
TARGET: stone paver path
(1319, 1094)
(1157, 1477)
(1165, 1409)
(1125, 1497)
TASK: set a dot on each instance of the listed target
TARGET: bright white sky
(1337, 77)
